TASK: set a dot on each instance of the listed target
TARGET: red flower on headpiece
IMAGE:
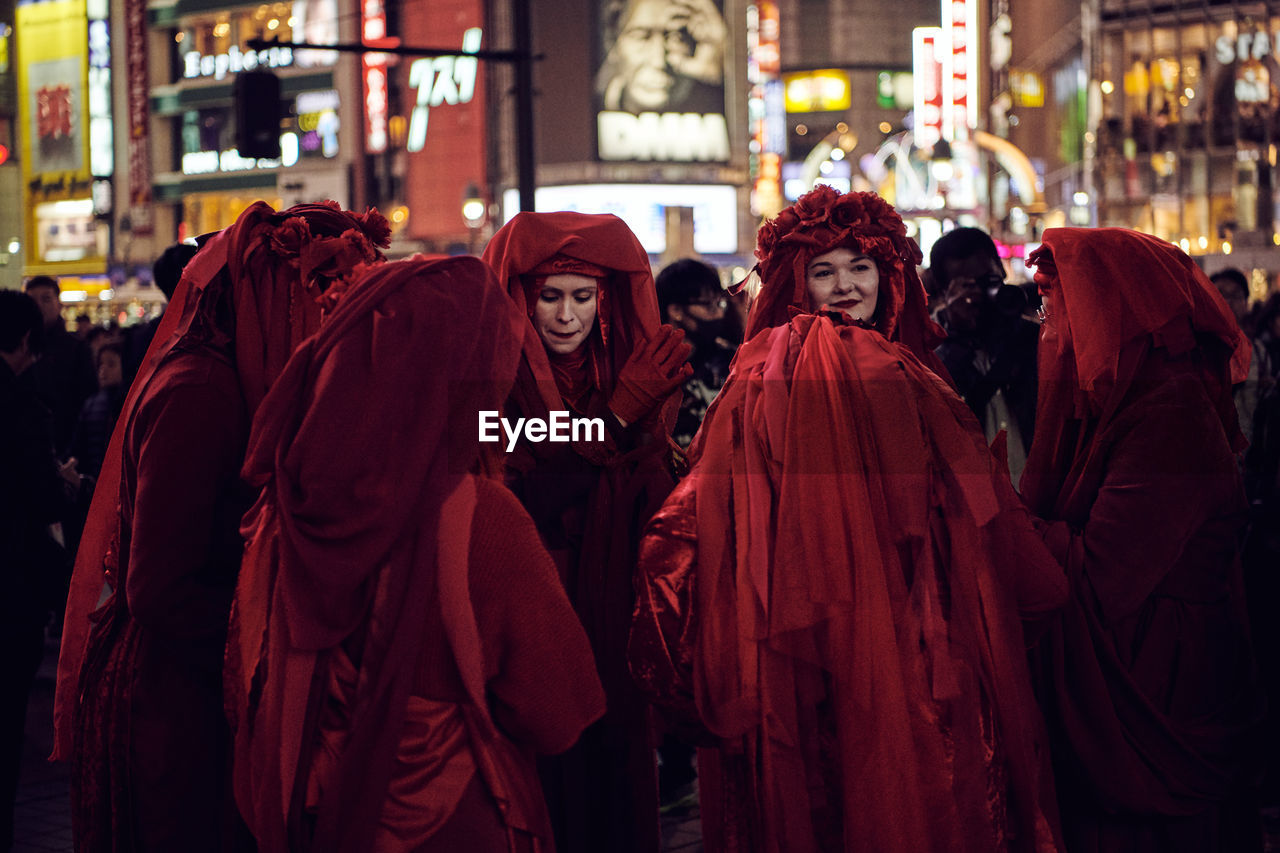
(289, 237)
(824, 218)
(339, 286)
(814, 208)
(325, 263)
(376, 227)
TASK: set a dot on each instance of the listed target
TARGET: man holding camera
(990, 348)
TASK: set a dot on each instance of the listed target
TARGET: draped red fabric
(628, 308)
(834, 590)
(1175, 306)
(362, 523)
(824, 219)
(274, 293)
(1146, 677)
(589, 500)
(855, 620)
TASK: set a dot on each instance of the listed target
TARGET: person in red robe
(593, 347)
(400, 645)
(1147, 677)
(138, 703)
(831, 597)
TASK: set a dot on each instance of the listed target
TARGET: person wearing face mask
(594, 347)
(832, 595)
(691, 298)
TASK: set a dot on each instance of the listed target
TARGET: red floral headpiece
(327, 265)
(821, 220)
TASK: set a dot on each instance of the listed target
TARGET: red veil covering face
(275, 265)
(1129, 292)
(362, 526)
(1147, 675)
(833, 587)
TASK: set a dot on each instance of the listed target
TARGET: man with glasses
(990, 349)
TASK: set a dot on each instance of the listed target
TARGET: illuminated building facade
(1188, 124)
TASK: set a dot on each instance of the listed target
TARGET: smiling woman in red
(1147, 678)
(832, 595)
(593, 347)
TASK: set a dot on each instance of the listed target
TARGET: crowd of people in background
(869, 554)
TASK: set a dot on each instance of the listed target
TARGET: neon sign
(442, 80)
(927, 79)
(373, 73)
(229, 160)
(959, 67)
(195, 64)
(679, 137)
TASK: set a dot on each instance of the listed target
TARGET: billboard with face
(659, 87)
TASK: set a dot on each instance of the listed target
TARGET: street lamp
(473, 211)
(940, 165)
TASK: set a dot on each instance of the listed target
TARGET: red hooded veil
(263, 258)
(833, 593)
(1146, 678)
(589, 500)
(360, 532)
(598, 245)
(250, 296)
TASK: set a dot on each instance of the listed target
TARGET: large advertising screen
(54, 112)
(659, 83)
(52, 75)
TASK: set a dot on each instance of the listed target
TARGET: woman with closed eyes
(831, 597)
(593, 347)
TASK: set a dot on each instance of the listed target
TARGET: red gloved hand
(653, 371)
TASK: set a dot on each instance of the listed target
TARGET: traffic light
(257, 96)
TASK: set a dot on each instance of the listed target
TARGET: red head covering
(849, 582)
(344, 539)
(821, 220)
(540, 244)
(1116, 295)
(274, 265)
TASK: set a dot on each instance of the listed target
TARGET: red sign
(373, 30)
(960, 67)
(927, 76)
(53, 112)
(456, 132)
(138, 106)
